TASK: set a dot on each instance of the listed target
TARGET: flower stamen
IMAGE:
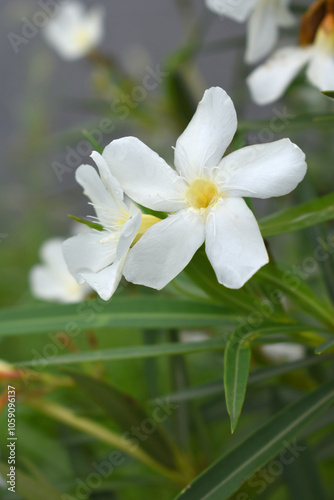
(202, 193)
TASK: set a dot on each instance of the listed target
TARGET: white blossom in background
(193, 336)
(52, 280)
(283, 351)
(98, 257)
(203, 196)
(74, 31)
(264, 17)
(269, 81)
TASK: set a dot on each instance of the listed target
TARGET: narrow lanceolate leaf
(289, 283)
(120, 312)
(329, 93)
(128, 414)
(30, 488)
(92, 225)
(236, 371)
(324, 346)
(255, 377)
(226, 475)
(299, 217)
(122, 443)
(302, 476)
(237, 363)
(133, 352)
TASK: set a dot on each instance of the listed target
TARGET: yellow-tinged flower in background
(73, 32)
(269, 81)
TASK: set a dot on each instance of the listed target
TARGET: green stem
(67, 417)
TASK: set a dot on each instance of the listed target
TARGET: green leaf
(288, 282)
(237, 363)
(92, 225)
(300, 217)
(202, 274)
(324, 346)
(226, 475)
(302, 476)
(328, 93)
(236, 371)
(133, 352)
(120, 312)
(255, 377)
(87, 426)
(128, 414)
(33, 489)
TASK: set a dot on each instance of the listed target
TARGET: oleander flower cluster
(264, 19)
(269, 81)
(314, 52)
(201, 200)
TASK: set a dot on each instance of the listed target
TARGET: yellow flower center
(82, 37)
(202, 193)
(146, 222)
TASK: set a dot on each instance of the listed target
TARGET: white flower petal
(208, 134)
(284, 351)
(283, 15)
(91, 251)
(234, 244)
(44, 285)
(51, 253)
(263, 170)
(321, 71)
(106, 281)
(52, 280)
(262, 31)
(110, 182)
(165, 250)
(128, 233)
(270, 80)
(94, 25)
(144, 176)
(238, 10)
(101, 197)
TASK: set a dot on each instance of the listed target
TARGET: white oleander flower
(98, 257)
(73, 32)
(270, 80)
(265, 17)
(52, 280)
(204, 196)
(283, 351)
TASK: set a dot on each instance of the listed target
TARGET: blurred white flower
(98, 257)
(193, 336)
(284, 351)
(52, 280)
(73, 32)
(270, 80)
(265, 17)
(205, 193)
